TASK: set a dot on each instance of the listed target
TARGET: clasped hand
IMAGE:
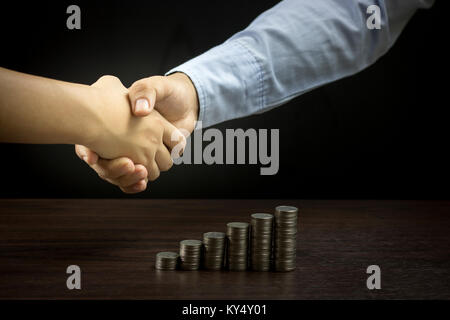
(132, 148)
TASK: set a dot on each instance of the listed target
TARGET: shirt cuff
(199, 87)
(228, 80)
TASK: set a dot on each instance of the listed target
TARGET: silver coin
(190, 243)
(167, 255)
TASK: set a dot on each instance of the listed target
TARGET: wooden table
(114, 242)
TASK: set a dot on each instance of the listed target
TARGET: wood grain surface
(115, 242)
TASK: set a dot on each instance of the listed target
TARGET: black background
(380, 134)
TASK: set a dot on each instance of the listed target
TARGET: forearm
(41, 110)
(291, 49)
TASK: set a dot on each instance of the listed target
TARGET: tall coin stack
(190, 254)
(166, 260)
(214, 245)
(285, 238)
(261, 241)
(237, 238)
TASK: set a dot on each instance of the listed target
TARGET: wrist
(91, 122)
(191, 100)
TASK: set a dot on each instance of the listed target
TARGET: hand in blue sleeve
(296, 46)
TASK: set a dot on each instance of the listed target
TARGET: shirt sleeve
(294, 47)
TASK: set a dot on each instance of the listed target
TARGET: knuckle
(141, 187)
(158, 78)
(127, 167)
(127, 190)
(167, 165)
(141, 173)
(155, 176)
(102, 175)
(140, 87)
(154, 140)
(109, 77)
(140, 168)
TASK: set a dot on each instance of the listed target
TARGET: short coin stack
(167, 260)
(237, 241)
(214, 245)
(190, 254)
(261, 241)
(285, 238)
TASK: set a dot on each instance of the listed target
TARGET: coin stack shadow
(213, 249)
(167, 260)
(261, 241)
(237, 246)
(190, 254)
(285, 238)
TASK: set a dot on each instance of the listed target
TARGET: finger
(140, 173)
(153, 172)
(142, 97)
(114, 169)
(86, 154)
(163, 159)
(138, 187)
(142, 107)
(172, 137)
(145, 92)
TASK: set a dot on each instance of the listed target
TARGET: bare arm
(40, 110)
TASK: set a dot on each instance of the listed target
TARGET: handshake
(139, 130)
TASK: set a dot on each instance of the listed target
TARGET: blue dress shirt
(294, 47)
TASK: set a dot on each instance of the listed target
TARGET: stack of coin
(261, 241)
(190, 254)
(237, 241)
(213, 249)
(285, 238)
(166, 260)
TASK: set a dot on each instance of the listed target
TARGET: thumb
(86, 154)
(143, 94)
